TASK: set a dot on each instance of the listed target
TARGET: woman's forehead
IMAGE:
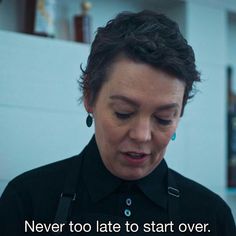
(127, 74)
(139, 84)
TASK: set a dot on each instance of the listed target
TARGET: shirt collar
(154, 185)
(100, 182)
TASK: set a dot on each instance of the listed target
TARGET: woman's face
(136, 113)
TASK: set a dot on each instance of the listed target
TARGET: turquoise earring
(89, 120)
(173, 136)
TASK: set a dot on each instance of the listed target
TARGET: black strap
(69, 193)
(67, 196)
(64, 207)
(173, 200)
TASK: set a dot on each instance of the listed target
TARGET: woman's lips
(136, 154)
(135, 157)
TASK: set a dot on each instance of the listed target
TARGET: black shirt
(103, 198)
(104, 189)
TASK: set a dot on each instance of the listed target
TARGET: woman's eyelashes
(163, 121)
(125, 116)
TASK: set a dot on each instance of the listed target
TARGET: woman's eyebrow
(169, 106)
(125, 99)
(164, 107)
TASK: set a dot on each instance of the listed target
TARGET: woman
(138, 79)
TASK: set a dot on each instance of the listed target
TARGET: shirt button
(128, 201)
(127, 212)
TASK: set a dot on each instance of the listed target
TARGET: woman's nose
(140, 130)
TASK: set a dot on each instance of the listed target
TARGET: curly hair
(145, 37)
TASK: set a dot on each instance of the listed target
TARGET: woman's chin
(131, 175)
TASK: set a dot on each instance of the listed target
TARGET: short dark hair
(146, 37)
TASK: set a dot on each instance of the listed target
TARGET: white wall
(40, 120)
(206, 30)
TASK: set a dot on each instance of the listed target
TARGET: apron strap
(67, 196)
(174, 195)
(69, 192)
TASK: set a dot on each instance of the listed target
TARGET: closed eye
(163, 121)
(123, 116)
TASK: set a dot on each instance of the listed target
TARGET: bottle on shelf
(231, 130)
(40, 17)
(82, 24)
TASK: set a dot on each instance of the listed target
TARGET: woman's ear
(87, 105)
(87, 97)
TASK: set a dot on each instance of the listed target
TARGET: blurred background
(44, 42)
